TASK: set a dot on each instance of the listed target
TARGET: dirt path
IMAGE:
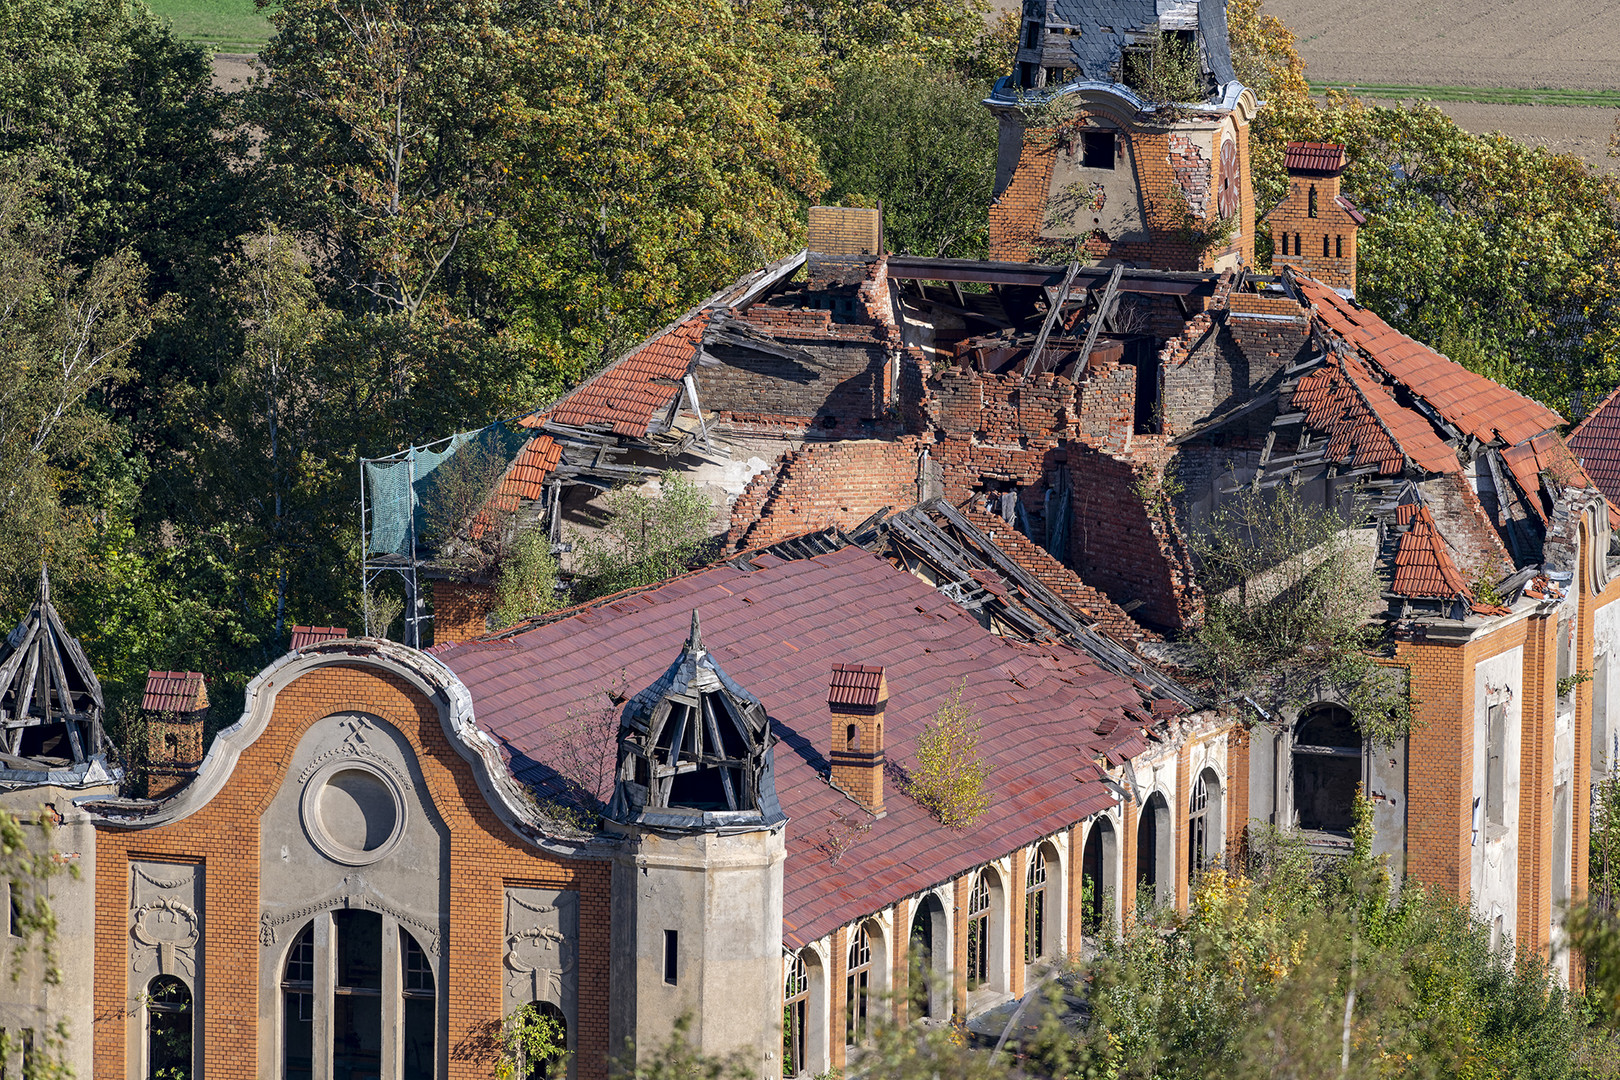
(232, 70)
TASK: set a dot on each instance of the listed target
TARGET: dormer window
(1097, 150)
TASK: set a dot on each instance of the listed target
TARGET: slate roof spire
(50, 703)
(695, 749)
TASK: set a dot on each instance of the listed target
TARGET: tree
(652, 160)
(382, 118)
(1290, 592)
(950, 776)
(646, 539)
(919, 139)
(932, 32)
(66, 334)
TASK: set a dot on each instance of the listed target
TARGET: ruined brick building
(928, 475)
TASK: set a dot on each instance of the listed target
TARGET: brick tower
(1093, 165)
(1314, 228)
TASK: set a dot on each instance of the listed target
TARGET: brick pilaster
(900, 980)
(1183, 801)
(1076, 882)
(959, 901)
(1015, 923)
(837, 1013)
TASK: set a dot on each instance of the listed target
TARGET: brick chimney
(176, 706)
(856, 700)
(1314, 228)
(841, 244)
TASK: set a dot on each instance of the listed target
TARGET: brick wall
(224, 838)
(840, 483)
(460, 610)
(840, 383)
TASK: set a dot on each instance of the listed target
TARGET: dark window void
(298, 1008)
(1198, 827)
(1327, 769)
(1097, 149)
(1324, 247)
(795, 1015)
(169, 1047)
(852, 737)
(545, 1068)
(416, 982)
(672, 956)
(357, 997)
(1338, 247)
(1312, 201)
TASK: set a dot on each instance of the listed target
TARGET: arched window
(858, 988)
(169, 1038)
(420, 1000)
(1155, 863)
(1199, 840)
(543, 1067)
(1035, 908)
(298, 1007)
(1327, 769)
(852, 738)
(354, 947)
(978, 933)
(795, 1014)
(1097, 871)
(1311, 201)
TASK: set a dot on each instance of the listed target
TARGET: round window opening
(353, 812)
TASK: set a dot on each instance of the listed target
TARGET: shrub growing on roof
(647, 538)
(950, 776)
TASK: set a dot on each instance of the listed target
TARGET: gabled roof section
(1472, 403)
(778, 627)
(1319, 158)
(1596, 442)
(1423, 567)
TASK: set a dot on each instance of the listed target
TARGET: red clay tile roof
(175, 691)
(627, 394)
(777, 631)
(1549, 454)
(1318, 157)
(1352, 209)
(1474, 404)
(1364, 423)
(1596, 441)
(856, 684)
(305, 636)
(1423, 567)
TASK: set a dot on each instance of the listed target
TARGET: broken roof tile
(1474, 404)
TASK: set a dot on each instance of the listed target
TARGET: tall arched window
(1097, 869)
(298, 1007)
(420, 999)
(169, 1033)
(858, 988)
(543, 1068)
(377, 979)
(978, 933)
(1155, 858)
(1327, 768)
(795, 1014)
(1035, 908)
(1198, 826)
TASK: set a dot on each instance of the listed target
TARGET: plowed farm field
(1542, 71)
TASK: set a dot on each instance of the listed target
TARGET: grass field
(1493, 96)
(222, 25)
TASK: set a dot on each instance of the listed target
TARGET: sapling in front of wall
(1290, 594)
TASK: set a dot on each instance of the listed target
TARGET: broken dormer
(695, 750)
(50, 705)
(1124, 136)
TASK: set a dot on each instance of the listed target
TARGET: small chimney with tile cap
(176, 708)
(856, 699)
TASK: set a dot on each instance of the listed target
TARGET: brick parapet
(461, 610)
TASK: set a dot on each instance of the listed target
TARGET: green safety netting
(396, 486)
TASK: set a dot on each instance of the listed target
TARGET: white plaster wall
(1605, 689)
(1494, 861)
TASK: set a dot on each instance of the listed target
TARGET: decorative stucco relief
(165, 921)
(352, 894)
(542, 946)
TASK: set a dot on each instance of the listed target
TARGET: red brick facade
(223, 838)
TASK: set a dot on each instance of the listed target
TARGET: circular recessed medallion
(353, 812)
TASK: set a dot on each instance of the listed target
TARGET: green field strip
(1488, 96)
(221, 25)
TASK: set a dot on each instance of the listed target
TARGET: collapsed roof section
(1091, 41)
(50, 705)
